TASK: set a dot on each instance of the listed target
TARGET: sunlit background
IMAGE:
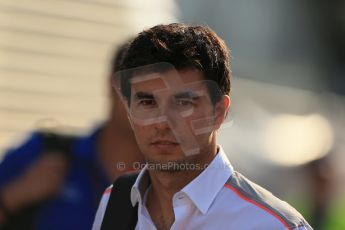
(287, 118)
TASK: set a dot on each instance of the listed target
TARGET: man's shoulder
(265, 201)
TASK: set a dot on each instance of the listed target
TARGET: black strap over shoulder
(120, 214)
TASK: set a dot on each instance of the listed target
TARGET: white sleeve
(97, 223)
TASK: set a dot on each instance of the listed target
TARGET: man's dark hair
(185, 47)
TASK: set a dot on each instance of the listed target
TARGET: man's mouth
(164, 143)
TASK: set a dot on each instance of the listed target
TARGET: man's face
(172, 116)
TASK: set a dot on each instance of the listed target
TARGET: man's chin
(169, 165)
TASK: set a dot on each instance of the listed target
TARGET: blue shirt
(75, 206)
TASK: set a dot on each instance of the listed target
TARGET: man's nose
(170, 115)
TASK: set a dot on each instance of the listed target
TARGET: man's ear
(221, 110)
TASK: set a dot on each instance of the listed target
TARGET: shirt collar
(140, 186)
(205, 187)
(202, 190)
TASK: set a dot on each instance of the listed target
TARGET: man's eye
(184, 102)
(147, 102)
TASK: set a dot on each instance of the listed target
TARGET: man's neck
(165, 184)
(173, 181)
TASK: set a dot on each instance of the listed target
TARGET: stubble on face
(177, 161)
(173, 157)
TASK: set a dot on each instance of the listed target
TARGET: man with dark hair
(175, 80)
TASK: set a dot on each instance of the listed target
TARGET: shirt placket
(182, 209)
(144, 220)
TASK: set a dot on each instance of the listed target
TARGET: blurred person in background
(56, 182)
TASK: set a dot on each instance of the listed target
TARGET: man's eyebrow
(187, 94)
(140, 95)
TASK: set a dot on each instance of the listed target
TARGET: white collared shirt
(218, 198)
